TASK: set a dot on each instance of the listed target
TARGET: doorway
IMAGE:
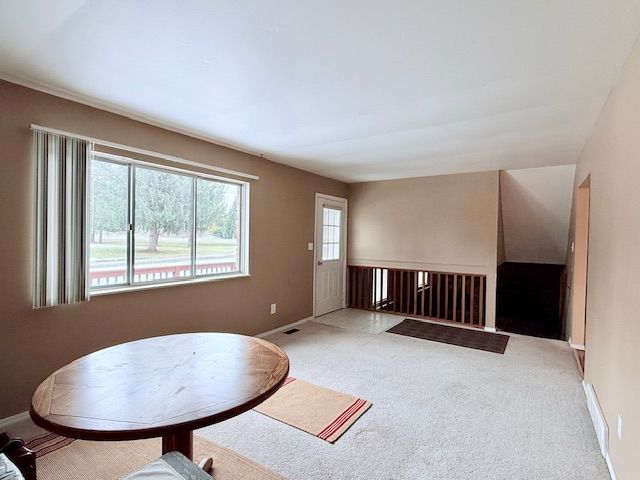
(580, 268)
(330, 254)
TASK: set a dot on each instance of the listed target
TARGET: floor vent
(293, 330)
(599, 423)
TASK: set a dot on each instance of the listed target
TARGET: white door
(330, 253)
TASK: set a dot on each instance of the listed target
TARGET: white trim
(576, 345)
(125, 112)
(170, 283)
(5, 423)
(344, 245)
(245, 220)
(612, 471)
(142, 151)
(596, 415)
(123, 160)
(432, 267)
(594, 409)
(490, 329)
(132, 165)
(283, 328)
(330, 197)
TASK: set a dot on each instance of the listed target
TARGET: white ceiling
(352, 89)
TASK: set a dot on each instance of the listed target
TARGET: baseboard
(9, 422)
(576, 346)
(597, 418)
(283, 328)
(490, 329)
(600, 425)
(612, 472)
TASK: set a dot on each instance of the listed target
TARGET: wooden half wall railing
(453, 297)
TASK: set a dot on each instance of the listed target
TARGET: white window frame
(339, 226)
(131, 163)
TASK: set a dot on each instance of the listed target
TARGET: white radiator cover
(599, 422)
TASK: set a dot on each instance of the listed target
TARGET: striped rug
(47, 443)
(322, 412)
(60, 458)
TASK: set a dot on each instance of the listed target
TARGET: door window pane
(331, 233)
(218, 227)
(163, 225)
(108, 229)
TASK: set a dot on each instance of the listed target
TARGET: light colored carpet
(320, 411)
(66, 459)
(440, 412)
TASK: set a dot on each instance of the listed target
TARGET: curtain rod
(142, 151)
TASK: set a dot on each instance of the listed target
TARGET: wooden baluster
(407, 293)
(377, 301)
(473, 300)
(431, 294)
(446, 296)
(401, 305)
(371, 288)
(349, 273)
(351, 270)
(439, 294)
(354, 282)
(382, 294)
(455, 297)
(396, 283)
(463, 312)
(354, 287)
(361, 287)
(424, 293)
(414, 289)
(389, 289)
(365, 289)
(481, 301)
(358, 292)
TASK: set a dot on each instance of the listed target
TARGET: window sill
(153, 286)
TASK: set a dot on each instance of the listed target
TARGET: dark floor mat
(463, 337)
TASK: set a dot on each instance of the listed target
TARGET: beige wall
(501, 253)
(35, 342)
(443, 223)
(536, 207)
(612, 157)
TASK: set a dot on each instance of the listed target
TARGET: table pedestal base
(179, 442)
(183, 442)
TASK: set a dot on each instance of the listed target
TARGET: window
(331, 233)
(109, 226)
(154, 225)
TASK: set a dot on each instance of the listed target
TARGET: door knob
(319, 263)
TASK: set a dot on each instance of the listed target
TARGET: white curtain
(61, 258)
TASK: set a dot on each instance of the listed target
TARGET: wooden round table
(159, 387)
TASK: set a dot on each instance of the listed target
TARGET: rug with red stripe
(322, 412)
(47, 443)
